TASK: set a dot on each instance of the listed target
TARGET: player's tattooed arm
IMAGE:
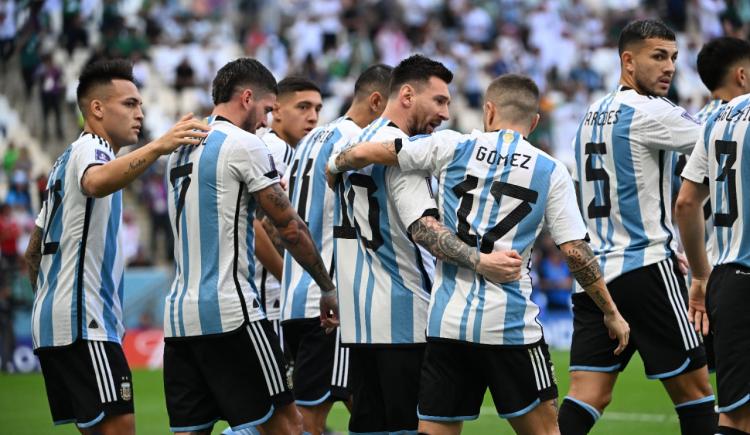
(442, 243)
(293, 233)
(363, 154)
(33, 255)
(585, 268)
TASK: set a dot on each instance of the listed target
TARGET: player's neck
(632, 84)
(725, 93)
(279, 130)
(396, 116)
(497, 126)
(360, 114)
(228, 114)
(99, 130)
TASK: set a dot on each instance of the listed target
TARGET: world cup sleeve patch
(101, 156)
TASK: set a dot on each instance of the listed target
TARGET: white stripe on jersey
(267, 284)
(719, 157)
(496, 192)
(314, 202)
(623, 151)
(211, 205)
(80, 274)
(383, 278)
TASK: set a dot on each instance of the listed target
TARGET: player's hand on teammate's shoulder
(187, 131)
(619, 330)
(500, 266)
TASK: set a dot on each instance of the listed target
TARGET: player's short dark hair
(515, 96)
(292, 84)
(718, 56)
(641, 30)
(242, 72)
(102, 72)
(375, 78)
(417, 69)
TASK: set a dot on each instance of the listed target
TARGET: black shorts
(86, 381)
(321, 365)
(385, 388)
(238, 377)
(455, 376)
(653, 301)
(728, 304)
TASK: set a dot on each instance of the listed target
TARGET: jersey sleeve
(563, 218)
(87, 154)
(282, 154)
(428, 152)
(696, 169)
(412, 194)
(671, 128)
(252, 164)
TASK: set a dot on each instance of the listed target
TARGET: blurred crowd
(568, 47)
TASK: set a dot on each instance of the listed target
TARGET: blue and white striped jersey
(80, 276)
(624, 153)
(211, 209)
(680, 160)
(497, 191)
(314, 202)
(718, 158)
(383, 277)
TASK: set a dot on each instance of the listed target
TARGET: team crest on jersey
(101, 156)
(126, 392)
(508, 137)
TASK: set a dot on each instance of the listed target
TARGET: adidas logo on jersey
(93, 324)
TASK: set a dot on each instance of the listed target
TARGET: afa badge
(126, 392)
(508, 137)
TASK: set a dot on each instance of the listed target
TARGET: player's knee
(596, 396)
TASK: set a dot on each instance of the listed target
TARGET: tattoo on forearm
(34, 255)
(345, 162)
(135, 165)
(273, 234)
(582, 263)
(443, 244)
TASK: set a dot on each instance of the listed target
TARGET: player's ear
(96, 108)
(246, 98)
(740, 76)
(627, 61)
(534, 122)
(406, 95)
(489, 114)
(375, 100)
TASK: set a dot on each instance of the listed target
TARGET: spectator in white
(7, 30)
(708, 14)
(50, 79)
(131, 236)
(327, 12)
(306, 38)
(477, 25)
(392, 43)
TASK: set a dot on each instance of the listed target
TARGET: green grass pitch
(639, 406)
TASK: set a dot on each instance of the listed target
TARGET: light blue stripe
(91, 423)
(454, 174)
(607, 244)
(521, 412)
(627, 192)
(706, 399)
(108, 290)
(516, 302)
(674, 372)
(59, 422)
(735, 405)
(590, 409)
(194, 428)
(314, 402)
(208, 296)
(257, 422)
(743, 167)
(608, 369)
(447, 419)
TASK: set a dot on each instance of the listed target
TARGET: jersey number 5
(498, 189)
(597, 174)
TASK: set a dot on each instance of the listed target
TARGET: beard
(649, 89)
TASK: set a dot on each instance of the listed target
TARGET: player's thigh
(520, 379)
(728, 304)
(452, 385)
(368, 410)
(542, 420)
(399, 373)
(245, 373)
(657, 314)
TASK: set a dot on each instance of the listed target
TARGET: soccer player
(75, 257)
(383, 275)
(320, 363)
(496, 192)
(624, 152)
(713, 170)
(295, 114)
(222, 358)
